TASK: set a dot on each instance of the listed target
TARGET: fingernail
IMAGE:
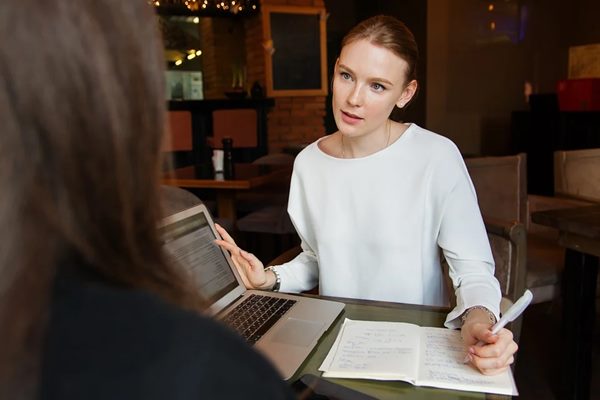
(467, 359)
(471, 350)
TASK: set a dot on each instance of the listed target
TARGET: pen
(510, 315)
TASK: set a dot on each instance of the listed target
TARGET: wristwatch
(277, 284)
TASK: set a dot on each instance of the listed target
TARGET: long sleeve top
(372, 227)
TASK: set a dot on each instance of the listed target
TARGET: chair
(508, 241)
(237, 124)
(177, 142)
(267, 209)
(501, 186)
(242, 126)
(577, 174)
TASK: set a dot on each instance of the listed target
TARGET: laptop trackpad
(298, 332)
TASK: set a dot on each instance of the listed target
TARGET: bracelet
(277, 284)
(491, 315)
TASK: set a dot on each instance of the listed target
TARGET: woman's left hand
(497, 352)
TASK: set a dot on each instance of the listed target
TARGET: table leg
(226, 205)
(579, 312)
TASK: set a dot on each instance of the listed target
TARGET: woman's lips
(350, 118)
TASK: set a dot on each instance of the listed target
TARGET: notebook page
(442, 355)
(374, 350)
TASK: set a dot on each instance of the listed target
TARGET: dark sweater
(106, 342)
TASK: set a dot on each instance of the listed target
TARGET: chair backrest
(237, 124)
(508, 241)
(178, 135)
(501, 186)
(577, 174)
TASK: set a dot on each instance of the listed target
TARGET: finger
(503, 356)
(242, 274)
(224, 234)
(241, 265)
(499, 344)
(492, 367)
(231, 247)
(251, 259)
(241, 256)
(496, 371)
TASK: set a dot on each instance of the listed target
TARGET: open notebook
(422, 356)
(285, 328)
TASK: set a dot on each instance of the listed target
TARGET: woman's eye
(378, 87)
(345, 75)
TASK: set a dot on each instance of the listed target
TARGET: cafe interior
(515, 84)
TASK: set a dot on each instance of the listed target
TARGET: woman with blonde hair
(374, 202)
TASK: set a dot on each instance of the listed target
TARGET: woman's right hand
(249, 267)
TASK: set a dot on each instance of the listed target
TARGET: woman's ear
(407, 93)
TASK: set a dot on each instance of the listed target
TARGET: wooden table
(580, 233)
(384, 311)
(246, 177)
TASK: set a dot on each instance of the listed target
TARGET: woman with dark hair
(376, 201)
(89, 306)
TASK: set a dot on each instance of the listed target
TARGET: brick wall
(298, 119)
(222, 53)
(210, 76)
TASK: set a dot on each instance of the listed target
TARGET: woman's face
(368, 82)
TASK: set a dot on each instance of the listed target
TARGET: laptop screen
(190, 242)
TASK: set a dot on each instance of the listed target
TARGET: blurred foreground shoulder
(105, 342)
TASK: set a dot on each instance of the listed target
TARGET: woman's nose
(355, 97)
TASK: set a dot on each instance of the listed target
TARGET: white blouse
(372, 227)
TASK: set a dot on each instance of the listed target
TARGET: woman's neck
(365, 145)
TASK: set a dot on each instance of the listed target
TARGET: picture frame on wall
(295, 50)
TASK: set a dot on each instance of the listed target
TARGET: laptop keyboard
(253, 317)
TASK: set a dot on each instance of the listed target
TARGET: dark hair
(83, 113)
(389, 33)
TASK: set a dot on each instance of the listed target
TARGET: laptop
(298, 322)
